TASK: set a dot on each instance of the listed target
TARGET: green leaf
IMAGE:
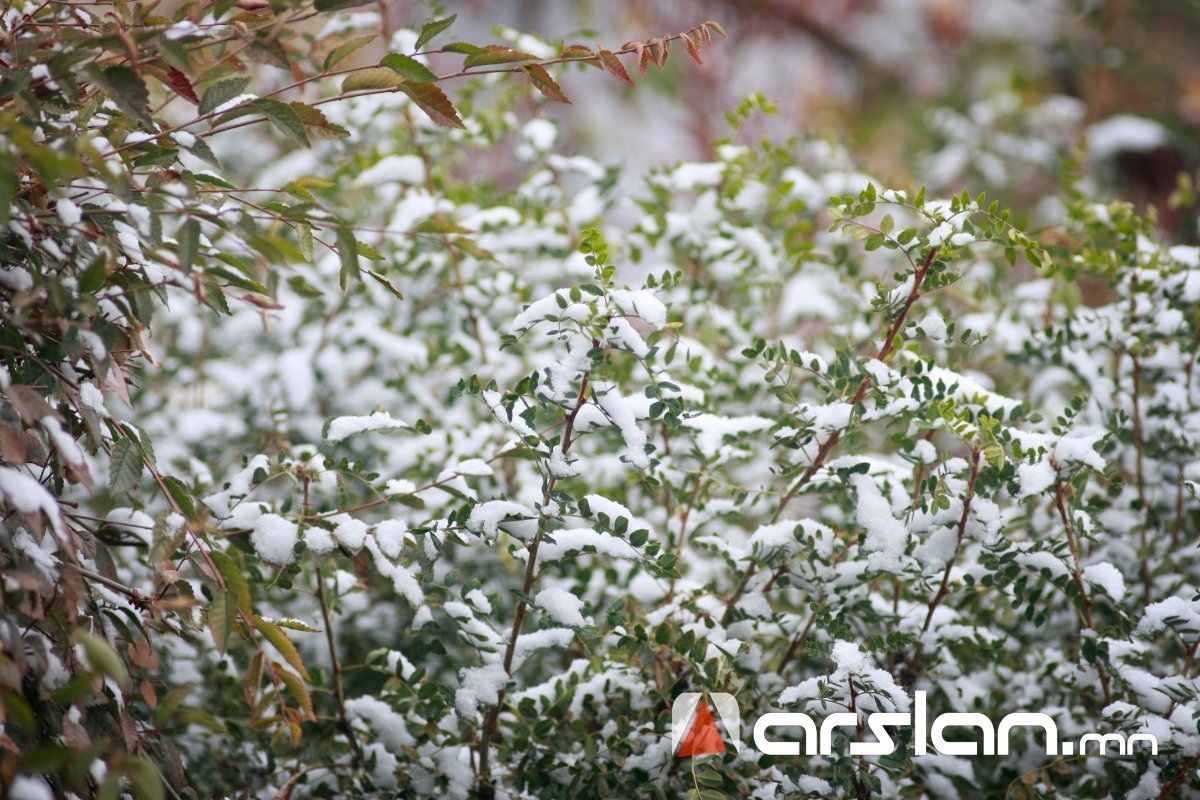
(222, 616)
(181, 496)
(126, 88)
(496, 54)
(296, 689)
(432, 28)
(284, 118)
(338, 5)
(373, 78)
(348, 252)
(220, 93)
(370, 253)
(433, 101)
(345, 50)
(304, 237)
(235, 581)
(125, 467)
(189, 244)
(103, 657)
(545, 84)
(316, 126)
(386, 283)
(147, 783)
(280, 641)
(408, 68)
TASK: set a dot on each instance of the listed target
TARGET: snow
(561, 606)
(233, 103)
(274, 538)
(342, 427)
(1041, 560)
(620, 334)
(1035, 478)
(318, 540)
(388, 726)
(16, 278)
(394, 169)
(351, 532)
(1080, 449)
(598, 505)
(480, 687)
(539, 134)
(713, 428)
(826, 420)
(640, 303)
(28, 787)
(693, 176)
(389, 534)
(1172, 612)
(68, 212)
(886, 535)
(622, 414)
(473, 467)
(93, 398)
(574, 540)
(1107, 577)
(1124, 133)
(28, 496)
(486, 517)
(933, 325)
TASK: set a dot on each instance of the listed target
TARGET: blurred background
(986, 94)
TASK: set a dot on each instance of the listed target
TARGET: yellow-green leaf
(280, 641)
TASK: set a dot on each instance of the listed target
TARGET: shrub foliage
(331, 469)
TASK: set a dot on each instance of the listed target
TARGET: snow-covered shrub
(561, 445)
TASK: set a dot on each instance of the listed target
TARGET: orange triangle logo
(703, 737)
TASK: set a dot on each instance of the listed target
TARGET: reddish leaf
(615, 67)
(716, 27)
(181, 84)
(645, 59)
(690, 46)
(433, 101)
(544, 83)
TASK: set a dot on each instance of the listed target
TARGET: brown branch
(339, 691)
(886, 347)
(1085, 608)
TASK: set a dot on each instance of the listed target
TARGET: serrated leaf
(222, 616)
(304, 238)
(386, 282)
(370, 253)
(235, 581)
(180, 494)
(496, 54)
(347, 248)
(280, 641)
(189, 244)
(220, 93)
(373, 78)
(126, 88)
(545, 84)
(316, 125)
(691, 48)
(296, 689)
(434, 102)
(180, 83)
(284, 118)
(431, 28)
(125, 467)
(408, 68)
(615, 67)
(345, 50)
